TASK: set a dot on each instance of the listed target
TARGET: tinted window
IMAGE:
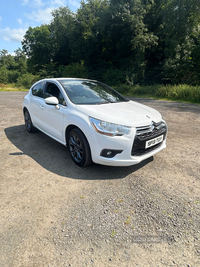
(53, 90)
(90, 92)
(61, 99)
(37, 90)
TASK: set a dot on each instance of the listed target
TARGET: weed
(116, 211)
(119, 200)
(113, 233)
(128, 220)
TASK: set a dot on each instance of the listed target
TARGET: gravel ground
(53, 213)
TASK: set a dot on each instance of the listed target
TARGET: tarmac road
(53, 213)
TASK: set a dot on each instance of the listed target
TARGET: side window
(61, 99)
(53, 90)
(37, 90)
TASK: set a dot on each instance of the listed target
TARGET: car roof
(70, 79)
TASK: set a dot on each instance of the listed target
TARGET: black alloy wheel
(28, 123)
(79, 148)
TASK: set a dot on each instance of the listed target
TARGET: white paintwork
(125, 113)
(51, 100)
(53, 122)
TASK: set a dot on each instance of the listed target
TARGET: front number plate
(154, 141)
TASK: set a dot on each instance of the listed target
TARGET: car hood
(125, 113)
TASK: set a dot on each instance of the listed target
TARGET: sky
(16, 16)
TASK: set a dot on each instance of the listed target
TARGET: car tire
(79, 148)
(28, 122)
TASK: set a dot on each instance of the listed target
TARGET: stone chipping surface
(53, 213)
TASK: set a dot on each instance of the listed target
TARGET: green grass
(11, 87)
(113, 233)
(182, 92)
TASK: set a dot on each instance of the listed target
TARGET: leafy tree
(180, 18)
(26, 80)
(20, 60)
(62, 28)
(89, 30)
(75, 70)
(3, 75)
(132, 41)
(6, 60)
(131, 36)
(37, 44)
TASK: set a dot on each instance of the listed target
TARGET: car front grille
(146, 133)
(149, 132)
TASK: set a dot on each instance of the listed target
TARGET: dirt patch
(54, 213)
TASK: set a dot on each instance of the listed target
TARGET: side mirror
(51, 100)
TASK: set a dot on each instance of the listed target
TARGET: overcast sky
(16, 16)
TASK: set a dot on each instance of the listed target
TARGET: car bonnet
(125, 113)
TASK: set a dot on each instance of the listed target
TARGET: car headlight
(110, 129)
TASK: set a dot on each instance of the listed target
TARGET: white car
(96, 123)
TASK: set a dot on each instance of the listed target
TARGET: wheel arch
(89, 154)
(25, 109)
(69, 128)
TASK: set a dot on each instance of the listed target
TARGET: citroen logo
(152, 126)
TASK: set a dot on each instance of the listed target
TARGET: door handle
(42, 107)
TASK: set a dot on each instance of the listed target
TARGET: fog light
(110, 153)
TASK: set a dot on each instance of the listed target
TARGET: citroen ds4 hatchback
(94, 121)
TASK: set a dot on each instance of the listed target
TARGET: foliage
(181, 92)
(75, 70)
(37, 45)
(26, 80)
(12, 76)
(11, 87)
(113, 76)
(3, 75)
(129, 42)
(11, 67)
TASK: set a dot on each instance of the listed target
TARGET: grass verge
(11, 87)
(180, 92)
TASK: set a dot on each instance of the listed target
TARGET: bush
(181, 92)
(114, 76)
(13, 76)
(3, 75)
(75, 70)
(184, 92)
(26, 80)
(122, 88)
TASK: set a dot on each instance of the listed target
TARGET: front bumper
(131, 147)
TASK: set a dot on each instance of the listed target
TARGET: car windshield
(85, 92)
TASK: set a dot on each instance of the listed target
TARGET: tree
(139, 41)
(37, 44)
(62, 29)
(181, 18)
(20, 60)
